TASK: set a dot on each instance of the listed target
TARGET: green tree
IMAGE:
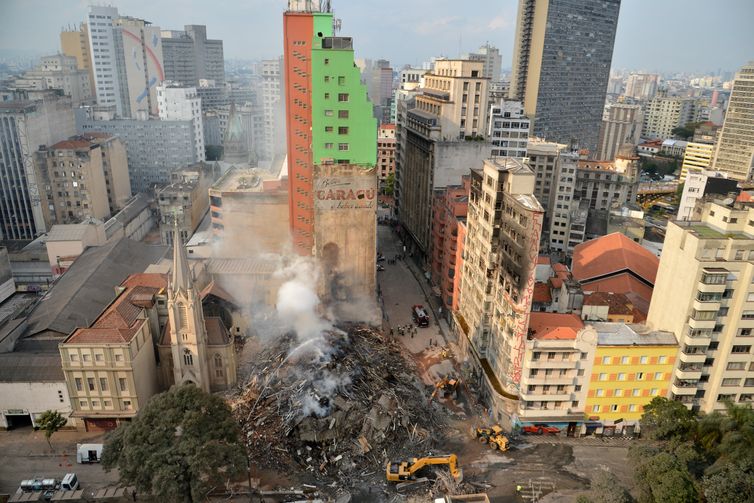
(665, 419)
(389, 188)
(606, 488)
(733, 483)
(181, 446)
(661, 476)
(685, 132)
(50, 422)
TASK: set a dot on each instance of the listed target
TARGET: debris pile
(342, 412)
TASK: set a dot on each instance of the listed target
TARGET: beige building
(456, 93)
(85, 177)
(185, 201)
(504, 224)
(385, 151)
(58, 72)
(665, 113)
(249, 210)
(697, 157)
(735, 148)
(110, 368)
(704, 295)
(75, 43)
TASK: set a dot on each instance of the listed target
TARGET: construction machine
(494, 437)
(447, 385)
(405, 470)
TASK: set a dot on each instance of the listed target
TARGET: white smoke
(298, 305)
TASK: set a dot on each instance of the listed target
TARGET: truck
(88, 453)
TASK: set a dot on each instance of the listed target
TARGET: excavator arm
(404, 470)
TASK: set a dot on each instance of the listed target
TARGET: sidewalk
(29, 443)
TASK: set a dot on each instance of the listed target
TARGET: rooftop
(613, 254)
(617, 303)
(246, 180)
(544, 326)
(70, 232)
(704, 231)
(629, 334)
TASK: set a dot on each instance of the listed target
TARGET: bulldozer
(494, 437)
(398, 471)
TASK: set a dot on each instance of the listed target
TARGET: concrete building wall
(75, 43)
(33, 399)
(621, 125)
(735, 148)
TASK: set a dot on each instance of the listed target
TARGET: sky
(653, 35)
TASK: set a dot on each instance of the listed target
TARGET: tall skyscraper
(189, 56)
(127, 59)
(178, 103)
(24, 126)
(641, 86)
(735, 148)
(621, 125)
(273, 129)
(332, 151)
(561, 66)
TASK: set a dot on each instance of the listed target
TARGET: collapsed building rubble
(339, 411)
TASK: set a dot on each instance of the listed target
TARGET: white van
(70, 482)
(88, 453)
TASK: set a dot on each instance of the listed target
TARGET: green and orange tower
(332, 150)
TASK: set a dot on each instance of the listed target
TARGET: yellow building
(632, 365)
(698, 156)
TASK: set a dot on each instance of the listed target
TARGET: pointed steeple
(181, 272)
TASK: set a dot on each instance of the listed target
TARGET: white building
(58, 72)
(273, 133)
(701, 182)
(508, 129)
(183, 103)
(493, 61)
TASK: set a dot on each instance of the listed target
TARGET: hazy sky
(654, 35)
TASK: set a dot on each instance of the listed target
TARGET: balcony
(541, 379)
(542, 396)
(711, 287)
(684, 387)
(693, 357)
(553, 364)
(707, 305)
(689, 372)
(697, 324)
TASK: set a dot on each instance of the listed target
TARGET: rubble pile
(344, 411)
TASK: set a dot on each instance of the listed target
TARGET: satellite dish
(728, 201)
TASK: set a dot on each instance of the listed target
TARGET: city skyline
(243, 25)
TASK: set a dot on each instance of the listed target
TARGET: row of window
(622, 376)
(615, 408)
(619, 392)
(626, 360)
(107, 404)
(91, 384)
(98, 357)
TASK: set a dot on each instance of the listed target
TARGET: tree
(665, 419)
(389, 184)
(661, 476)
(181, 446)
(734, 483)
(606, 488)
(685, 132)
(50, 422)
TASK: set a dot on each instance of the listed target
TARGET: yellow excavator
(398, 471)
(494, 437)
(447, 386)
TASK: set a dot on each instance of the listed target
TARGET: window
(625, 360)
(86, 357)
(643, 360)
(341, 81)
(342, 146)
(662, 360)
(327, 78)
(584, 356)
(342, 97)
(603, 377)
(328, 113)
(342, 114)
(639, 376)
(122, 384)
(328, 129)
(127, 404)
(636, 392)
(731, 381)
(327, 61)
(550, 355)
(327, 96)
(107, 403)
(95, 403)
(618, 392)
(79, 384)
(328, 145)
(103, 383)
(736, 366)
(658, 376)
(98, 357)
(614, 408)
(605, 360)
(595, 408)
(83, 403)
(188, 358)
(90, 383)
(218, 360)
(740, 349)
(343, 130)
(600, 392)
(118, 358)
(218, 372)
(73, 357)
(702, 316)
(621, 376)
(653, 391)
(632, 408)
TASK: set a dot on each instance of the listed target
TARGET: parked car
(420, 316)
(540, 429)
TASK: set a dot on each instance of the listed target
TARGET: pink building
(449, 205)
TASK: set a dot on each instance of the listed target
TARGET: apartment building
(632, 365)
(621, 124)
(508, 129)
(665, 113)
(175, 102)
(385, 151)
(58, 72)
(504, 223)
(273, 131)
(641, 86)
(185, 201)
(554, 166)
(701, 183)
(75, 43)
(189, 56)
(704, 296)
(84, 177)
(492, 59)
(697, 157)
(735, 149)
(110, 368)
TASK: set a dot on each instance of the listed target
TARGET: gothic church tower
(189, 334)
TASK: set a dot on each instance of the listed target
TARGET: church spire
(181, 271)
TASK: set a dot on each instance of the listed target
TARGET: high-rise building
(189, 56)
(84, 177)
(508, 129)
(385, 151)
(380, 88)
(700, 183)
(127, 60)
(561, 66)
(75, 43)
(621, 125)
(58, 72)
(273, 131)
(24, 126)
(331, 140)
(179, 103)
(492, 59)
(696, 157)
(703, 295)
(735, 148)
(665, 113)
(641, 86)
(443, 137)
(504, 223)
(550, 162)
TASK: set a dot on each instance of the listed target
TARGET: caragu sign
(345, 193)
